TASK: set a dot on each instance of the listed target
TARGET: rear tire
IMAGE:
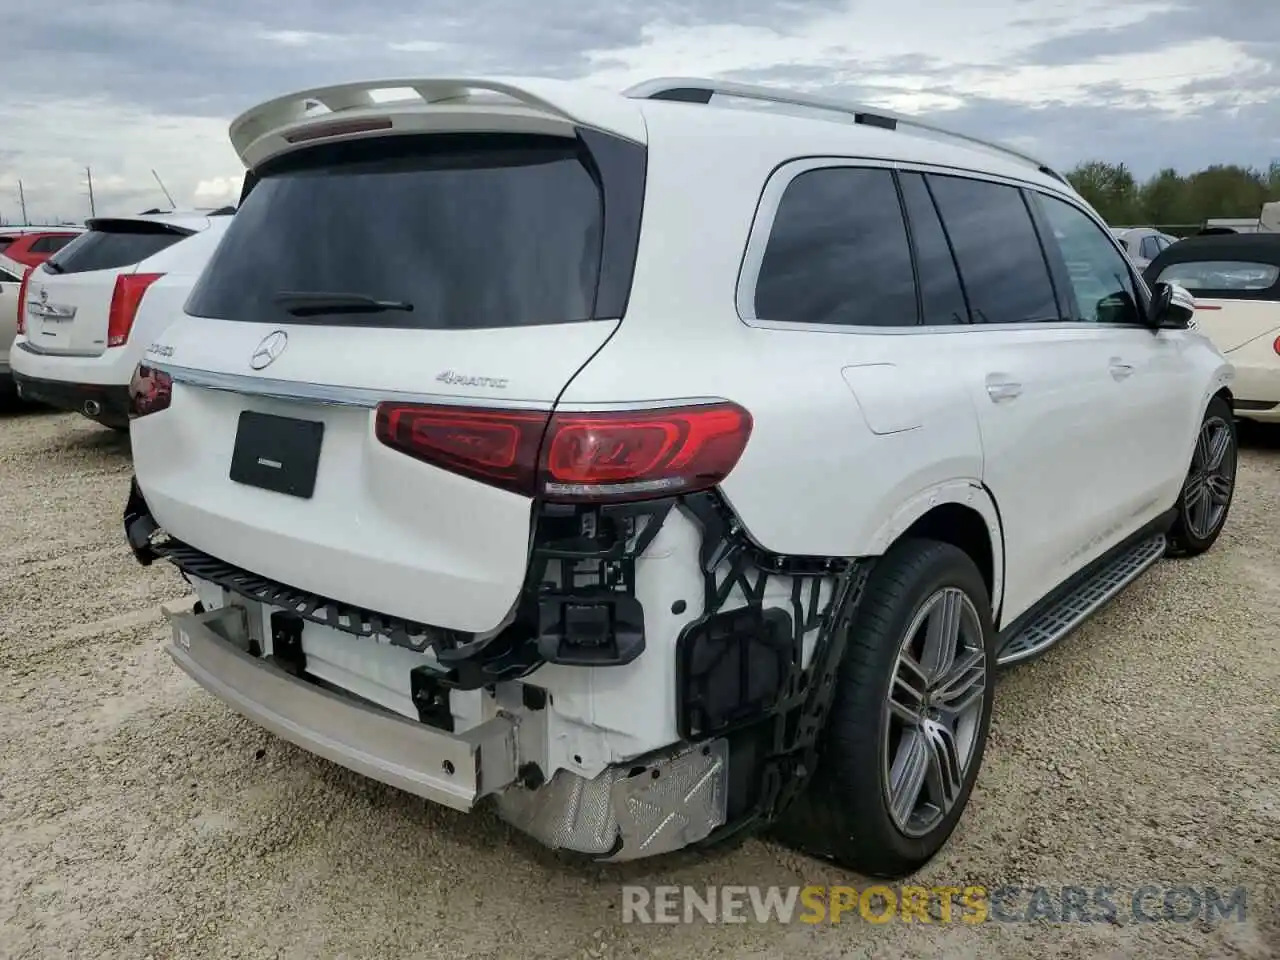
(1210, 484)
(860, 810)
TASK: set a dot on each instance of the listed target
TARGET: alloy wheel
(933, 711)
(1211, 479)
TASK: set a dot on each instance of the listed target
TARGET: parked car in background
(1142, 244)
(87, 314)
(32, 246)
(1235, 279)
(11, 274)
(658, 471)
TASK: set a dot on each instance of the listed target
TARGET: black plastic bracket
(286, 643)
(431, 696)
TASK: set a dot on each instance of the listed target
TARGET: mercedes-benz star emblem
(266, 353)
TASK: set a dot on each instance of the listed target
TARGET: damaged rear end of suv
(412, 559)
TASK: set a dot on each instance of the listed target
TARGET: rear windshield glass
(5, 241)
(51, 244)
(457, 231)
(112, 245)
(1221, 275)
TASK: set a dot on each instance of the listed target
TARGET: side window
(7, 277)
(998, 250)
(838, 253)
(1150, 248)
(1100, 277)
(941, 295)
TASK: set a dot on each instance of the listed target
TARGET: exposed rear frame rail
(700, 90)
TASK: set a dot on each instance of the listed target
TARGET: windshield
(459, 231)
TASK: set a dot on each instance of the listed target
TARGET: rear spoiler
(130, 225)
(267, 129)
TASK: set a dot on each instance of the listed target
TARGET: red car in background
(32, 246)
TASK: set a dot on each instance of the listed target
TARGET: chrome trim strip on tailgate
(334, 394)
(454, 770)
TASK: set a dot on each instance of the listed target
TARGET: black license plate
(277, 453)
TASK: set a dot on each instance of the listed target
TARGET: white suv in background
(88, 312)
(658, 471)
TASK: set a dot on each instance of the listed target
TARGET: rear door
(1041, 386)
(69, 297)
(446, 287)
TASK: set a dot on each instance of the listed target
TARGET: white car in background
(11, 274)
(1235, 278)
(1143, 244)
(86, 315)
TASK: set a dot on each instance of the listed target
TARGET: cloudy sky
(130, 85)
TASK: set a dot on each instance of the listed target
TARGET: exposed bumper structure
(455, 770)
(625, 813)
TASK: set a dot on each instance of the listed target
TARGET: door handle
(1001, 390)
(1120, 369)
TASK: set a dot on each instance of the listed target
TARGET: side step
(1071, 610)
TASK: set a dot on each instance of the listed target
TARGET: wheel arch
(962, 513)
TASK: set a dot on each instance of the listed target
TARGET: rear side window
(838, 253)
(941, 294)
(998, 249)
(460, 231)
(1221, 275)
(113, 244)
(5, 241)
(50, 244)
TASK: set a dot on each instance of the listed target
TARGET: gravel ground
(141, 818)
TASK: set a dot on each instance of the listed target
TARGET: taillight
(574, 457)
(1276, 346)
(22, 301)
(125, 300)
(150, 391)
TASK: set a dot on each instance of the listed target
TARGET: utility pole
(22, 202)
(89, 174)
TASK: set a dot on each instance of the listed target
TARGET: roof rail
(563, 100)
(700, 90)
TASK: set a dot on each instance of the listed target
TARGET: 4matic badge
(459, 380)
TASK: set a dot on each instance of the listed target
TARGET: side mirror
(1172, 307)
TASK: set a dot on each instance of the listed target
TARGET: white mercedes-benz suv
(656, 471)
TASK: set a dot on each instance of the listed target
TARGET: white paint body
(858, 432)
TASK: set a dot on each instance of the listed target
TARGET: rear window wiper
(54, 267)
(301, 303)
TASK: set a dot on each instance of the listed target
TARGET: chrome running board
(1064, 615)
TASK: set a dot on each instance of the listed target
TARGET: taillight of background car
(125, 300)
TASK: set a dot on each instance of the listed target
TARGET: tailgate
(445, 286)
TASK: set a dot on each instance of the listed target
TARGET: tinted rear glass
(472, 231)
(5, 241)
(51, 244)
(114, 245)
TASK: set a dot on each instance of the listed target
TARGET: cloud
(138, 85)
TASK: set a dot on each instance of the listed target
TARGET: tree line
(1177, 203)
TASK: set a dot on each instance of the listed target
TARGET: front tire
(1210, 484)
(910, 717)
